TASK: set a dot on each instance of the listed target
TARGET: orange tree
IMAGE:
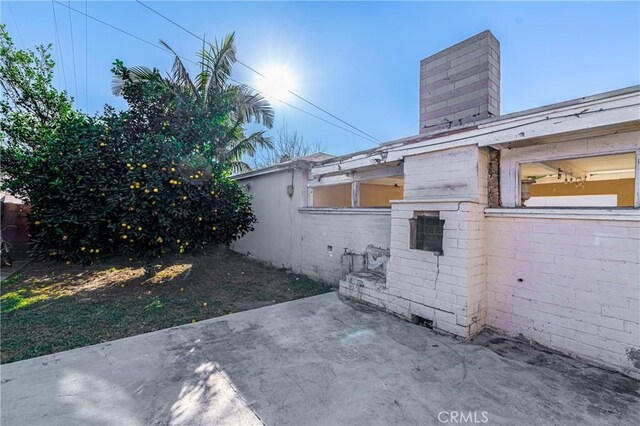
(140, 182)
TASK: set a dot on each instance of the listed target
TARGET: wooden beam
(355, 176)
(637, 180)
(355, 194)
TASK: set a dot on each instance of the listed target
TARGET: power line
(195, 63)
(73, 53)
(86, 57)
(59, 49)
(15, 22)
(263, 76)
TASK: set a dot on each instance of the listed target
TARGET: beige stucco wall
(276, 238)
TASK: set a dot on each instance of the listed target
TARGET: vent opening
(418, 320)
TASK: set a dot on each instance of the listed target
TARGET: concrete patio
(318, 360)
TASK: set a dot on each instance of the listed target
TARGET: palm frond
(134, 75)
(237, 167)
(252, 106)
(179, 74)
(246, 146)
(218, 62)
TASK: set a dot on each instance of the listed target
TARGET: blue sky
(359, 60)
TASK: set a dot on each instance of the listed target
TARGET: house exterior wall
(573, 285)
(346, 232)
(446, 174)
(276, 238)
(447, 288)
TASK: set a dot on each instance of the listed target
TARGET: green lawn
(49, 307)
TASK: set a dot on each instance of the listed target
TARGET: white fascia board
(541, 122)
(600, 113)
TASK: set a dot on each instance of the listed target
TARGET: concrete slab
(318, 360)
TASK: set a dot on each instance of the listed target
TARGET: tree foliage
(287, 145)
(142, 182)
(222, 108)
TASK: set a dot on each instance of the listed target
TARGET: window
(601, 181)
(426, 231)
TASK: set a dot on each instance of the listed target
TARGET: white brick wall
(573, 285)
(442, 174)
(345, 231)
(447, 289)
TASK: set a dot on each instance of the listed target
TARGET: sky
(357, 60)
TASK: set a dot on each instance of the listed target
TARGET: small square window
(427, 231)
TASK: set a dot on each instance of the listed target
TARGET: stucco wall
(276, 238)
(346, 231)
(573, 285)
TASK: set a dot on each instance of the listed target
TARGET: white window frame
(518, 182)
(511, 159)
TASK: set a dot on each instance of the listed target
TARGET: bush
(119, 183)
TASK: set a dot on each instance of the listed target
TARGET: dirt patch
(49, 307)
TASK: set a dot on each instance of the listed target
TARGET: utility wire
(195, 63)
(15, 22)
(86, 57)
(263, 76)
(73, 53)
(59, 49)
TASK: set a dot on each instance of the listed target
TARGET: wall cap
(384, 211)
(618, 214)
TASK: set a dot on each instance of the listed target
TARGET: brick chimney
(461, 84)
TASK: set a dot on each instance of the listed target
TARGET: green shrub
(132, 183)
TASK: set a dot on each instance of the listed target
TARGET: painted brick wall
(573, 285)
(346, 231)
(447, 289)
(443, 174)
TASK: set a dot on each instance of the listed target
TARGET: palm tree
(210, 90)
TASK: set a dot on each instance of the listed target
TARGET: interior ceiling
(616, 166)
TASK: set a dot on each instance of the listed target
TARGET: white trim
(384, 211)
(511, 159)
(636, 204)
(618, 214)
(612, 108)
(437, 200)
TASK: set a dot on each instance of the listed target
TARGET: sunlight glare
(277, 82)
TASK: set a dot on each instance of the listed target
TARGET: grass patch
(49, 307)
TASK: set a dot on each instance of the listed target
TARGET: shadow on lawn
(51, 307)
(31, 293)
